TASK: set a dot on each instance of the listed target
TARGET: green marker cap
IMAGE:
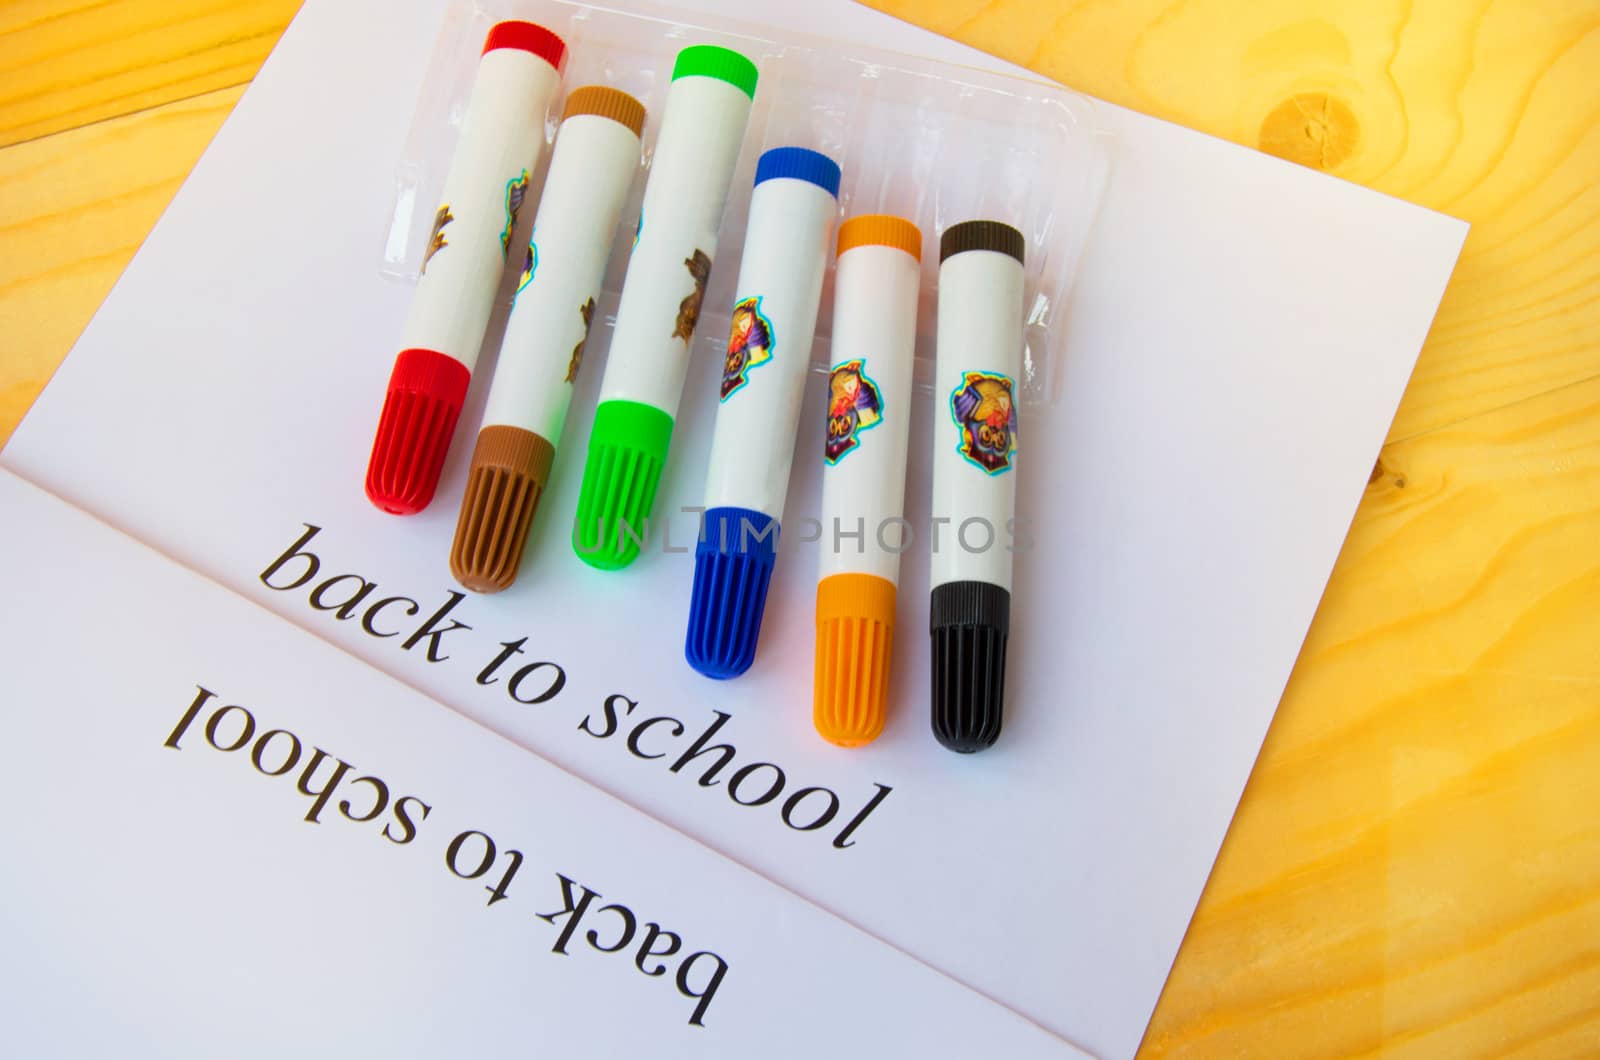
(724, 64)
(627, 451)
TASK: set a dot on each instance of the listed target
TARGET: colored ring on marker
(982, 235)
(605, 102)
(724, 64)
(527, 37)
(881, 230)
(799, 163)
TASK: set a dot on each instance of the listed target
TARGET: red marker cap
(528, 37)
(426, 392)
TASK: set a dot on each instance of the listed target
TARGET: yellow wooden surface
(1488, 110)
(66, 63)
(1415, 868)
(73, 209)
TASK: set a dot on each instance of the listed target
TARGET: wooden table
(1415, 868)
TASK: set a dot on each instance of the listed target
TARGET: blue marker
(760, 390)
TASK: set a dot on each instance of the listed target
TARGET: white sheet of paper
(1240, 335)
(168, 898)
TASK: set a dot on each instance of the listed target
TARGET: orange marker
(864, 473)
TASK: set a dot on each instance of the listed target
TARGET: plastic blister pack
(789, 182)
(935, 143)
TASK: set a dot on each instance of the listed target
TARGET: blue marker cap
(799, 163)
(732, 568)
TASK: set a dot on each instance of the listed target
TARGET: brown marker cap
(509, 469)
(982, 235)
(606, 102)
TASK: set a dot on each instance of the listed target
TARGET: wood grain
(75, 208)
(1415, 867)
(67, 63)
(1488, 110)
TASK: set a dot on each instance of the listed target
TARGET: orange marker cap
(605, 102)
(881, 230)
(855, 640)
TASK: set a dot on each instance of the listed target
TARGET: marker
(702, 127)
(760, 391)
(591, 171)
(501, 136)
(864, 473)
(974, 477)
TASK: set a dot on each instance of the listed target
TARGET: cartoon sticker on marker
(516, 191)
(750, 345)
(436, 240)
(699, 268)
(855, 404)
(530, 264)
(586, 311)
(984, 410)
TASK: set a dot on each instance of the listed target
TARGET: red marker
(501, 137)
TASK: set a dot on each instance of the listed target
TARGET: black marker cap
(970, 623)
(982, 235)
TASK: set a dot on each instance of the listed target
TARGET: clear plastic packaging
(930, 141)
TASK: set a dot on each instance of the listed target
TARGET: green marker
(702, 129)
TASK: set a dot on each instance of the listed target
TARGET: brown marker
(591, 172)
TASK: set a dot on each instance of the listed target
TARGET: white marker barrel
(702, 128)
(501, 136)
(974, 477)
(760, 391)
(591, 171)
(864, 473)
